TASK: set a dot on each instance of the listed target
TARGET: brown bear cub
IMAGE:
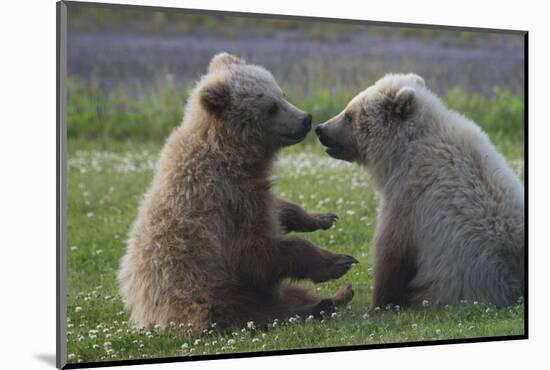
(209, 245)
(450, 224)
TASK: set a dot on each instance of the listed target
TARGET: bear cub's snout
(307, 123)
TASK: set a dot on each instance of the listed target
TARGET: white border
(28, 181)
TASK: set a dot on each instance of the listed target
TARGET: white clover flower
(172, 324)
(95, 346)
(231, 342)
(184, 346)
(309, 318)
(81, 338)
(71, 356)
(425, 303)
(438, 331)
(365, 316)
(78, 309)
(350, 212)
(93, 336)
(254, 340)
(333, 315)
(414, 326)
(250, 325)
(74, 247)
(197, 342)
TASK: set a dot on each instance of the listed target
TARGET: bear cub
(209, 245)
(450, 225)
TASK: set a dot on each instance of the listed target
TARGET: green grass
(133, 112)
(111, 163)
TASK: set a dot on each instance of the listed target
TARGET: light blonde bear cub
(451, 218)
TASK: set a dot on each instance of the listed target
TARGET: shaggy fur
(208, 245)
(451, 217)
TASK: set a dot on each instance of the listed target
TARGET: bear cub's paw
(344, 295)
(337, 265)
(325, 220)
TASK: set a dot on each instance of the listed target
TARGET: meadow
(114, 137)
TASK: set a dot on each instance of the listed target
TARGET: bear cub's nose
(318, 130)
(307, 122)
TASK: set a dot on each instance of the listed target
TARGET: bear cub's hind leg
(300, 302)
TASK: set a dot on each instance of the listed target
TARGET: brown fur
(208, 245)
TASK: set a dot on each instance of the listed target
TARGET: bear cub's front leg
(294, 218)
(305, 260)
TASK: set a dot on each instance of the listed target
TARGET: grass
(132, 112)
(114, 140)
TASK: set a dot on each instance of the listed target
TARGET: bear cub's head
(247, 104)
(375, 122)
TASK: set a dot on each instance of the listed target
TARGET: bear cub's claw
(339, 265)
(326, 220)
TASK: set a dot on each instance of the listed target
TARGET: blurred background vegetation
(130, 69)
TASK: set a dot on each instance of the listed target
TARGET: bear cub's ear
(215, 97)
(419, 81)
(223, 60)
(404, 102)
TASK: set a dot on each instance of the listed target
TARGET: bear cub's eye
(273, 109)
(348, 117)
